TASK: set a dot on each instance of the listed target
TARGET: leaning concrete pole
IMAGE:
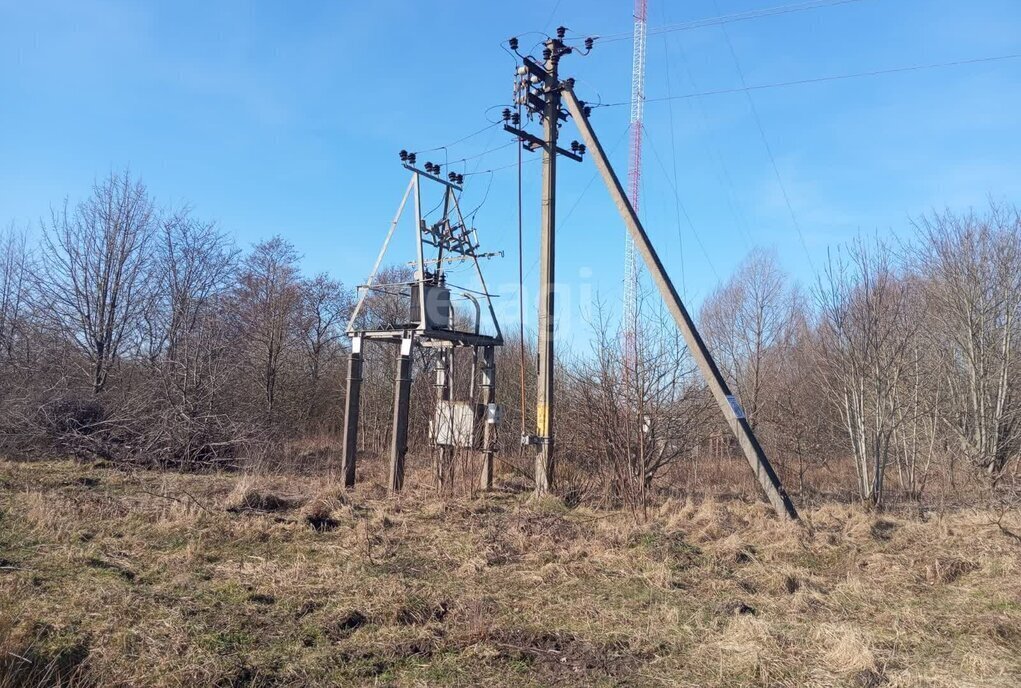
(728, 403)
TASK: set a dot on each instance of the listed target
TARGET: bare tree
(191, 351)
(268, 305)
(865, 338)
(196, 263)
(970, 268)
(750, 324)
(95, 260)
(325, 308)
(14, 273)
(633, 426)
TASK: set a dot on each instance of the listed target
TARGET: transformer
(437, 306)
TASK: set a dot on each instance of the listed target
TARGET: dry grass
(146, 578)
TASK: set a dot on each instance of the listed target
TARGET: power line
(769, 149)
(673, 159)
(709, 139)
(577, 201)
(460, 140)
(477, 156)
(821, 79)
(501, 167)
(730, 18)
(684, 211)
(552, 14)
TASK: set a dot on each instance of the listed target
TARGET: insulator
(452, 177)
(460, 178)
(522, 69)
(411, 158)
(561, 31)
(588, 43)
(506, 114)
(574, 146)
(570, 83)
(404, 155)
(587, 110)
(546, 54)
(516, 118)
(534, 79)
(581, 149)
(513, 43)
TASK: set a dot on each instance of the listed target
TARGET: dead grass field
(147, 578)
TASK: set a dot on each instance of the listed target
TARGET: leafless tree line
(896, 368)
(901, 356)
(142, 334)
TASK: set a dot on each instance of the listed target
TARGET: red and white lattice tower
(629, 320)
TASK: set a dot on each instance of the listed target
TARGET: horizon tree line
(140, 334)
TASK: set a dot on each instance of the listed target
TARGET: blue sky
(285, 118)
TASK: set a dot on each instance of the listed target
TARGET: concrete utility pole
(544, 460)
(540, 90)
(728, 404)
(402, 399)
(354, 391)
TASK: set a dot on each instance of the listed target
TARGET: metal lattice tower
(629, 312)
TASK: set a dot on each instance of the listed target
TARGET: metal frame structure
(629, 317)
(449, 240)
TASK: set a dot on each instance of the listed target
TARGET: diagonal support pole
(728, 404)
(379, 258)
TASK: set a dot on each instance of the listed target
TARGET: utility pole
(542, 92)
(538, 89)
(544, 466)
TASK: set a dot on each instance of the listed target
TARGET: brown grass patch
(152, 579)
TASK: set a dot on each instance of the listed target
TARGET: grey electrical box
(437, 306)
(456, 424)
